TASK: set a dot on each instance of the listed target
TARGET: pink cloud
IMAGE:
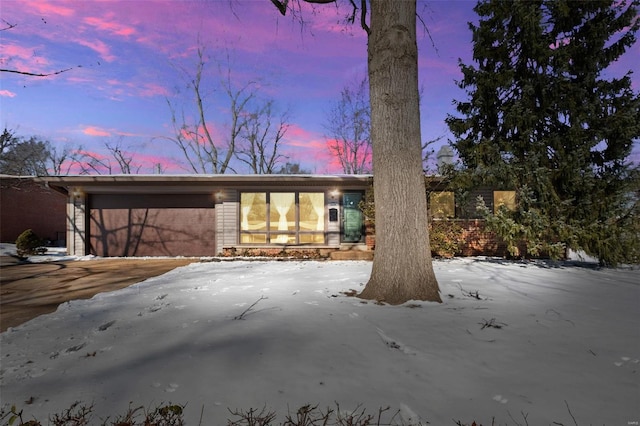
(151, 89)
(51, 8)
(310, 149)
(150, 163)
(12, 50)
(99, 47)
(95, 131)
(7, 94)
(23, 58)
(94, 154)
(110, 26)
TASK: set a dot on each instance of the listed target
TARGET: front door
(352, 224)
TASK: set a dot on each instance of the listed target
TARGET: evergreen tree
(543, 116)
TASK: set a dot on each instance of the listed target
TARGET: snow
(545, 341)
(53, 254)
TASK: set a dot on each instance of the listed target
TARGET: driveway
(28, 290)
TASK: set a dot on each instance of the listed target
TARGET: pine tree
(545, 117)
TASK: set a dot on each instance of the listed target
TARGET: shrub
(445, 238)
(28, 243)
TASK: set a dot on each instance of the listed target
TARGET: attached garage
(151, 225)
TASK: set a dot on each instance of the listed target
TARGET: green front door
(352, 229)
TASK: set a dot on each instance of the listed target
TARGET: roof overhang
(194, 184)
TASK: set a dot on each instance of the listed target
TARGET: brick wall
(479, 242)
(476, 240)
(25, 204)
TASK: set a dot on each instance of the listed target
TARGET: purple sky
(131, 53)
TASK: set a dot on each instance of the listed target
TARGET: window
(282, 218)
(504, 198)
(442, 204)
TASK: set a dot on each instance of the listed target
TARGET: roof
(193, 183)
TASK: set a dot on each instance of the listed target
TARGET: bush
(28, 243)
(445, 238)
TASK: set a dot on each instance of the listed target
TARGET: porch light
(77, 193)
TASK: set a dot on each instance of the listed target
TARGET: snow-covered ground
(52, 254)
(521, 343)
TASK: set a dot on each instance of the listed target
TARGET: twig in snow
(524, 416)
(471, 294)
(201, 414)
(242, 315)
(570, 413)
(491, 324)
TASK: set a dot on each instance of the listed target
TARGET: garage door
(151, 225)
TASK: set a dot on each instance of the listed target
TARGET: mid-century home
(203, 215)
(208, 215)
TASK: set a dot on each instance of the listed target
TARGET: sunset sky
(128, 59)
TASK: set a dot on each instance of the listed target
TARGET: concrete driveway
(28, 290)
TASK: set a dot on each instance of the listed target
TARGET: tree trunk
(402, 268)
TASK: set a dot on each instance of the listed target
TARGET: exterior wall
(228, 223)
(227, 219)
(77, 224)
(478, 242)
(333, 227)
(25, 204)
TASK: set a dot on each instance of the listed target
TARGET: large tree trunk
(402, 268)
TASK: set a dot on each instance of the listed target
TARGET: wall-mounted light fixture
(219, 196)
(334, 194)
(77, 193)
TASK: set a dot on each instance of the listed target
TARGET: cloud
(50, 8)
(95, 131)
(150, 163)
(110, 25)
(99, 47)
(7, 94)
(22, 58)
(151, 89)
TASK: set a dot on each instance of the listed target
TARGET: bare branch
(33, 74)
(281, 6)
(8, 25)
(349, 127)
(260, 141)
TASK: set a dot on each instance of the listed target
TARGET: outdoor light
(77, 193)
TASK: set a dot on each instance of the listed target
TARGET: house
(205, 215)
(210, 215)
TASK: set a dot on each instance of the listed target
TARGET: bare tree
(261, 138)
(203, 153)
(119, 160)
(349, 129)
(402, 268)
(61, 161)
(293, 169)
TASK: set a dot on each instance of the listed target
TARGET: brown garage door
(151, 225)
